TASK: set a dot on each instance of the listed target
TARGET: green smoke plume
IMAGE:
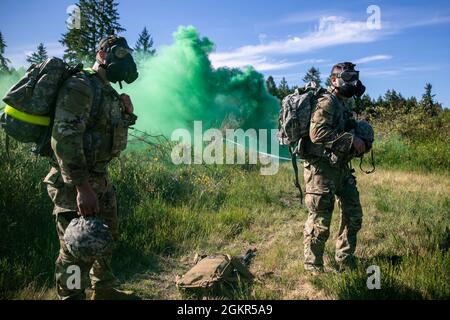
(7, 80)
(179, 86)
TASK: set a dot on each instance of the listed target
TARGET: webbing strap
(372, 163)
(28, 118)
(295, 166)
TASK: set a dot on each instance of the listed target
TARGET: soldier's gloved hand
(87, 201)
(126, 100)
(359, 145)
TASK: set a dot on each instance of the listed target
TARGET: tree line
(98, 19)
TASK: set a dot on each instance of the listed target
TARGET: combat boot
(348, 264)
(113, 294)
(313, 270)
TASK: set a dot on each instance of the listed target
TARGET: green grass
(167, 213)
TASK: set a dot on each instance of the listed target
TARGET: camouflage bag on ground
(294, 122)
(216, 275)
(30, 103)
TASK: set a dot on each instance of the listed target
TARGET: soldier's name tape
(28, 118)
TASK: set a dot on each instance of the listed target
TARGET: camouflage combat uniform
(328, 175)
(90, 129)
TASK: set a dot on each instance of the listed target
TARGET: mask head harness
(120, 65)
(350, 85)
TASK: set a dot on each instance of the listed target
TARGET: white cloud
(427, 22)
(261, 63)
(331, 31)
(18, 55)
(396, 71)
(306, 16)
(368, 59)
(262, 38)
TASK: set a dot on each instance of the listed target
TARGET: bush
(414, 141)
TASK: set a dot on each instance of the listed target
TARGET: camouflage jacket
(90, 128)
(328, 136)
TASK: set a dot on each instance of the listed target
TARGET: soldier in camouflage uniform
(328, 174)
(90, 129)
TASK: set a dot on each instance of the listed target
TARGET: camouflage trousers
(97, 273)
(324, 183)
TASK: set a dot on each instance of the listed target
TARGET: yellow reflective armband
(28, 118)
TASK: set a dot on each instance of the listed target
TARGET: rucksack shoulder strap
(96, 89)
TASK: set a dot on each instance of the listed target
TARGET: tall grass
(163, 210)
(170, 211)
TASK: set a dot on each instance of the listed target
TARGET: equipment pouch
(120, 133)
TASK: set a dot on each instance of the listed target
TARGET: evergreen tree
(428, 105)
(411, 104)
(364, 105)
(144, 47)
(392, 100)
(328, 82)
(99, 18)
(283, 89)
(3, 61)
(313, 75)
(39, 56)
(272, 86)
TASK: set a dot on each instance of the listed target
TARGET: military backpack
(215, 275)
(294, 122)
(30, 103)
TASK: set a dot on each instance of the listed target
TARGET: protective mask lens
(349, 76)
(121, 52)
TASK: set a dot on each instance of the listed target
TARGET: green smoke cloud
(179, 86)
(7, 80)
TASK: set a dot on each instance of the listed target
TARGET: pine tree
(99, 18)
(3, 60)
(144, 47)
(313, 75)
(428, 104)
(364, 105)
(39, 56)
(283, 89)
(272, 86)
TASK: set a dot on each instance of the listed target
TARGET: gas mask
(349, 83)
(120, 65)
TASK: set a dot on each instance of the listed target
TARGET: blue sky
(279, 38)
